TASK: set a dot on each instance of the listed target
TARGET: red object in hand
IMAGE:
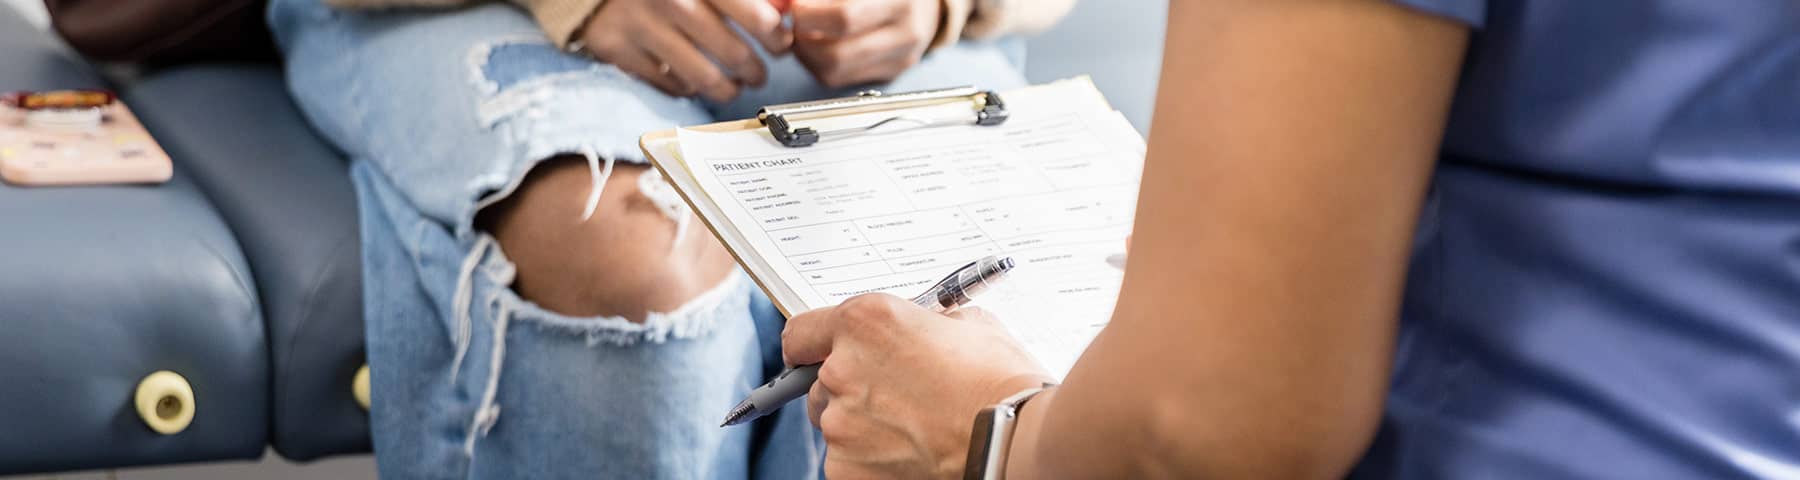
(781, 5)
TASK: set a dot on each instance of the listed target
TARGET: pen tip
(738, 414)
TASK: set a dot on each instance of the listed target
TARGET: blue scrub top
(1606, 282)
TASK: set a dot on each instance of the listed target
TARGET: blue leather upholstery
(287, 194)
(99, 287)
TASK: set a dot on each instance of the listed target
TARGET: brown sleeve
(560, 19)
(163, 31)
(977, 19)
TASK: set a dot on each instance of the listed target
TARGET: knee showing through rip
(625, 260)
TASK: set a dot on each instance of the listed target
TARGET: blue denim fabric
(443, 112)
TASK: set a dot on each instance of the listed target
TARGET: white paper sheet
(1054, 188)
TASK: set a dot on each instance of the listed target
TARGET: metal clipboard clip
(986, 109)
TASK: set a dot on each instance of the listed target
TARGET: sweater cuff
(956, 15)
(562, 19)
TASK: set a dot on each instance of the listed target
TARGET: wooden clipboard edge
(659, 136)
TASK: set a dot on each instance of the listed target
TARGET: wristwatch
(992, 436)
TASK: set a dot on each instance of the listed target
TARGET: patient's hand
(668, 42)
(852, 42)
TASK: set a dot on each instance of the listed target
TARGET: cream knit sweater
(972, 19)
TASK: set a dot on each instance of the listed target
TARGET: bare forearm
(1253, 335)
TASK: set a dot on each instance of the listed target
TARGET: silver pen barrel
(961, 286)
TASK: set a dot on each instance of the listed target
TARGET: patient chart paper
(894, 211)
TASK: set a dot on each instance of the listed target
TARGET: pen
(955, 290)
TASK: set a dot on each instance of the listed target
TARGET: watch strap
(992, 436)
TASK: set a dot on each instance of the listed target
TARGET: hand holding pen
(900, 386)
(955, 290)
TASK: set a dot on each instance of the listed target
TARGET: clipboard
(864, 114)
(1052, 122)
(801, 125)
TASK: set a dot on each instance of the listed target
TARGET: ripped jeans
(443, 112)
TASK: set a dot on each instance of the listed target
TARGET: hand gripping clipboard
(803, 124)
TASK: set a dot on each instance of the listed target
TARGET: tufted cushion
(99, 287)
(288, 196)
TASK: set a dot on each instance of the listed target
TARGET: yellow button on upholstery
(166, 402)
(359, 386)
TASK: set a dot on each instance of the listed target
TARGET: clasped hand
(687, 47)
